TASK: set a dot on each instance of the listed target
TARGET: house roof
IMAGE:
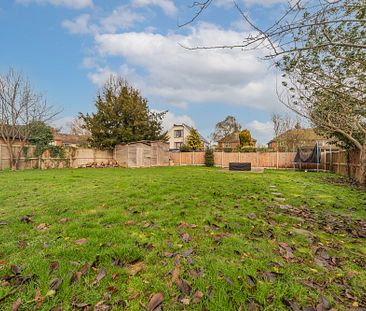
(69, 138)
(307, 134)
(233, 138)
(204, 140)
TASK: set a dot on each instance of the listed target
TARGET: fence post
(222, 158)
(277, 159)
(180, 158)
(1, 157)
(330, 159)
(239, 156)
(256, 153)
(193, 157)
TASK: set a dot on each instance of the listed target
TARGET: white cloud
(167, 6)
(170, 119)
(121, 18)
(180, 77)
(79, 25)
(262, 131)
(61, 123)
(72, 4)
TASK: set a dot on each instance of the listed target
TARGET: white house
(178, 135)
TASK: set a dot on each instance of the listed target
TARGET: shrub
(209, 157)
(185, 148)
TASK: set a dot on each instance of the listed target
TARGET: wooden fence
(142, 154)
(222, 159)
(340, 162)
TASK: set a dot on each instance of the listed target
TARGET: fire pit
(240, 166)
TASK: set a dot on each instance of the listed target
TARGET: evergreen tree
(194, 141)
(122, 116)
(209, 157)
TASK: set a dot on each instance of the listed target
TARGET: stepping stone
(278, 194)
(273, 187)
(3, 223)
(303, 232)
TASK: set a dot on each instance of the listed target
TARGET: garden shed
(142, 154)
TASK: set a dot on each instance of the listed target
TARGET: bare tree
(77, 127)
(20, 108)
(289, 32)
(282, 125)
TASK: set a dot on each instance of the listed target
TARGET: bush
(209, 157)
(228, 149)
(185, 148)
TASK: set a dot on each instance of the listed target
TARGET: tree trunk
(362, 175)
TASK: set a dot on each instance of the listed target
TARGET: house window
(227, 145)
(178, 133)
(178, 145)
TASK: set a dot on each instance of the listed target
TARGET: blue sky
(68, 48)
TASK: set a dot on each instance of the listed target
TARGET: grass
(274, 241)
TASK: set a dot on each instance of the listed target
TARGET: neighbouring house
(178, 135)
(232, 141)
(298, 138)
(68, 140)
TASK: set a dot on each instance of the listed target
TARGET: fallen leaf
(250, 281)
(57, 308)
(168, 254)
(26, 219)
(252, 306)
(135, 268)
(50, 293)
(118, 262)
(101, 306)
(112, 289)
(101, 275)
(2, 262)
(185, 301)
(155, 302)
(197, 297)
(80, 305)
(81, 241)
(55, 284)
(184, 286)
(187, 252)
(15, 269)
(77, 275)
(286, 251)
(54, 266)
(42, 227)
(21, 244)
(16, 305)
(185, 237)
(130, 222)
(133, 296)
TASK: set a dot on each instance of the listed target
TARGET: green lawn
(205, 239)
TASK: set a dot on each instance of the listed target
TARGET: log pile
(111, 163)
